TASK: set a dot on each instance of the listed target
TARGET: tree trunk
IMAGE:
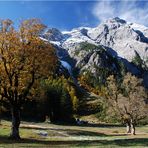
(51, 115)
(133, 130)
(128, 128)
(15, 111)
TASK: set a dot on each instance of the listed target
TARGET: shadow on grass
(72, 132)
(91, 125)
(37, 128)
(120, 142)
(76, 132)
(103, 125)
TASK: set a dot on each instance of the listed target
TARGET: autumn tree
(74, 98)
(24, 59)
(127, 100)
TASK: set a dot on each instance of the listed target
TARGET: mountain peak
(116, 20)
(122, 37)
(53, 34)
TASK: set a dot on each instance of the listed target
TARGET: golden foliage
(127, 99)
(24, 58)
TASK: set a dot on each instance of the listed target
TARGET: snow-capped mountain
(139, 27)
(123, 37)
(87, 48)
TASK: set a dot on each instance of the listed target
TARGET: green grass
(107, 136)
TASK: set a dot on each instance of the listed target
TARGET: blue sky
(66, 15)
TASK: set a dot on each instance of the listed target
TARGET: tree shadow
(119, 142)
(69, 132)
(72, 132)
(101, 125)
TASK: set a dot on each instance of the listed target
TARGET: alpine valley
(78, 87)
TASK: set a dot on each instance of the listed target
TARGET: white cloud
(132, 11)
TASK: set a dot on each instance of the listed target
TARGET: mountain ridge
(87, 49)
(110, 33)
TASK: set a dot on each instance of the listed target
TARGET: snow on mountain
(53, 34)
(107, 46)
(67, 66)
(56, 43)
(138, 27)
(121, 37)
(77, 35)
(44, 39)
(88, 48)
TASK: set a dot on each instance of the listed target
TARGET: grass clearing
(51, 135)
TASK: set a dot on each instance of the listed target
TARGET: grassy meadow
(91, 135)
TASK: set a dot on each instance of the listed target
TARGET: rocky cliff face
(106, 45)
(53, 34)
(121, 37)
